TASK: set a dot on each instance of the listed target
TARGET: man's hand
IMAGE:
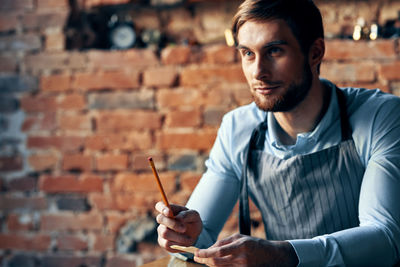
(178, 226)
(241, 250)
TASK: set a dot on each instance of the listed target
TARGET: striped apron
(306, 195)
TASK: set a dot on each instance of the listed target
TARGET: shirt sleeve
(376, 242)
(217, 191)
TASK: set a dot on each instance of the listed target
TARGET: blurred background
(90, 89)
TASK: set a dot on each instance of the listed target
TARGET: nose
(261, 70)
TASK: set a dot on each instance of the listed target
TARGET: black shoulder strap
(257, 141)
(344, 120)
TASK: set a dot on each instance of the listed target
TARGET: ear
(316, 53)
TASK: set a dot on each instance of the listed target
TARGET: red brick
(140, 161)
(242, 94)
(189, 181)
(38, 103)
(20, 222)
(175, 55)
(16, 4)
(111, 162)
(91, 3)
(116, 220)
(26, 42)
(47, 61)
(130, 141)
(103, 242)
(77, 60)
(348, 72)
(220, 54)
(46, 20)
(71, 221)
(67, 184)
(96, 142)
(71, 102)
(71, 242)
(43, 161)
(44, 121)
(139, 203)
(183, 118)
(129, 59)
(54, 41)
(12, 163)
(106, 80)
(77, 162)
(8, 63)
(39, 242)
(55, 82)
(102, 201)
(33, 203)
(75, 122)
(64, 143)
(8, 21)
(142, 183)
(350, 50)
(390, 71)
(117, 121)
(159, 77)
(49, 5)
(27, 183)
(179, 98)
(199, 75)
(197, 140)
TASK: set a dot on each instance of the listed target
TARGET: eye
(247, 54)
(275, 51)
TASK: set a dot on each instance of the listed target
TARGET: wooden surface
(171, 261)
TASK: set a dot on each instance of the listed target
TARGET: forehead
(253, 33)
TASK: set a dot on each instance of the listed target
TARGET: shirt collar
(309, 138)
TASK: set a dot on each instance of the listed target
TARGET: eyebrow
(277, 42)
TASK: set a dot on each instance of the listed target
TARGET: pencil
(160, 187)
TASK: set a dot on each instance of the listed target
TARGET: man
(321, 163)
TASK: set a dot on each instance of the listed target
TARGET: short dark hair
(302, 16)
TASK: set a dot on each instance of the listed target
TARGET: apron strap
(257, 139)
(344, 120)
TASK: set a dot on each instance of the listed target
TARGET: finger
(163, 209)
(173, 237)
(188, 216)
(224, 241)
(219, 261)
(219, 250)
(166, 244)
(171, 223)
(169, 211)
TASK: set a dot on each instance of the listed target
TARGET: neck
(304, 117)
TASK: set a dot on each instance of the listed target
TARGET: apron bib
(306, 195)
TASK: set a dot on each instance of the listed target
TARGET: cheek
(247, 72)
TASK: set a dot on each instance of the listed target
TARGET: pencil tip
(149, 158)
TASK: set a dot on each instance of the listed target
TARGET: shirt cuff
(309, 252)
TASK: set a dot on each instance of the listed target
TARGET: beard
(293, 96)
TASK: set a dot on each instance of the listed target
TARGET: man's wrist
(286, 254)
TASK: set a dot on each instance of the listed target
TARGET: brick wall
(76, 127)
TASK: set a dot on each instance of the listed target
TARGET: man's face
(276, 70)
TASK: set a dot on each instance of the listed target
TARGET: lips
(266, 90)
